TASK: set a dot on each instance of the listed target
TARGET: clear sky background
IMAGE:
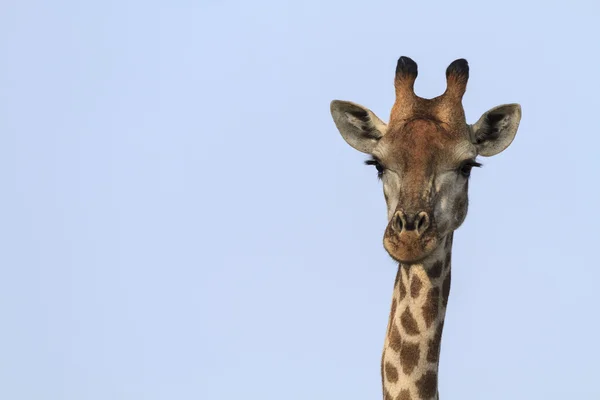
(180, 219)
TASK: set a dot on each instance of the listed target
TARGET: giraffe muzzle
(410, 237)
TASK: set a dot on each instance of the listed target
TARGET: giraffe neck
(409, 365)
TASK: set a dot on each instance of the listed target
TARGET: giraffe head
(424, 156)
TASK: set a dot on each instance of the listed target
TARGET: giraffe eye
(377, 165)
(467, 166)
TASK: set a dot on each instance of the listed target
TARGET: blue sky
(182, 220)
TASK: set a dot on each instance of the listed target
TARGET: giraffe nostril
(422, 222)
(398, 224)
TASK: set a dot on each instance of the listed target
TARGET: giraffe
(424, 157)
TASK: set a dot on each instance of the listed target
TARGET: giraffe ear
(358, 125)
(496, 129)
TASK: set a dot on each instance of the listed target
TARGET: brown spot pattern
(446, 289)
(395, 340)
(393, 310)
(448, 259)
(402, 289)
(431, 306)
(409, 323)
(415, 287)
(391, 373)
(404, 395)
(433, 353)
(427, 385)
(409, 357)
(436, 270)
(387, 396)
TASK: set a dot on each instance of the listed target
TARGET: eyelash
(464, 170)
(380, 168)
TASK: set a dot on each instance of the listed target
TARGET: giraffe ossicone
(424, 156)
